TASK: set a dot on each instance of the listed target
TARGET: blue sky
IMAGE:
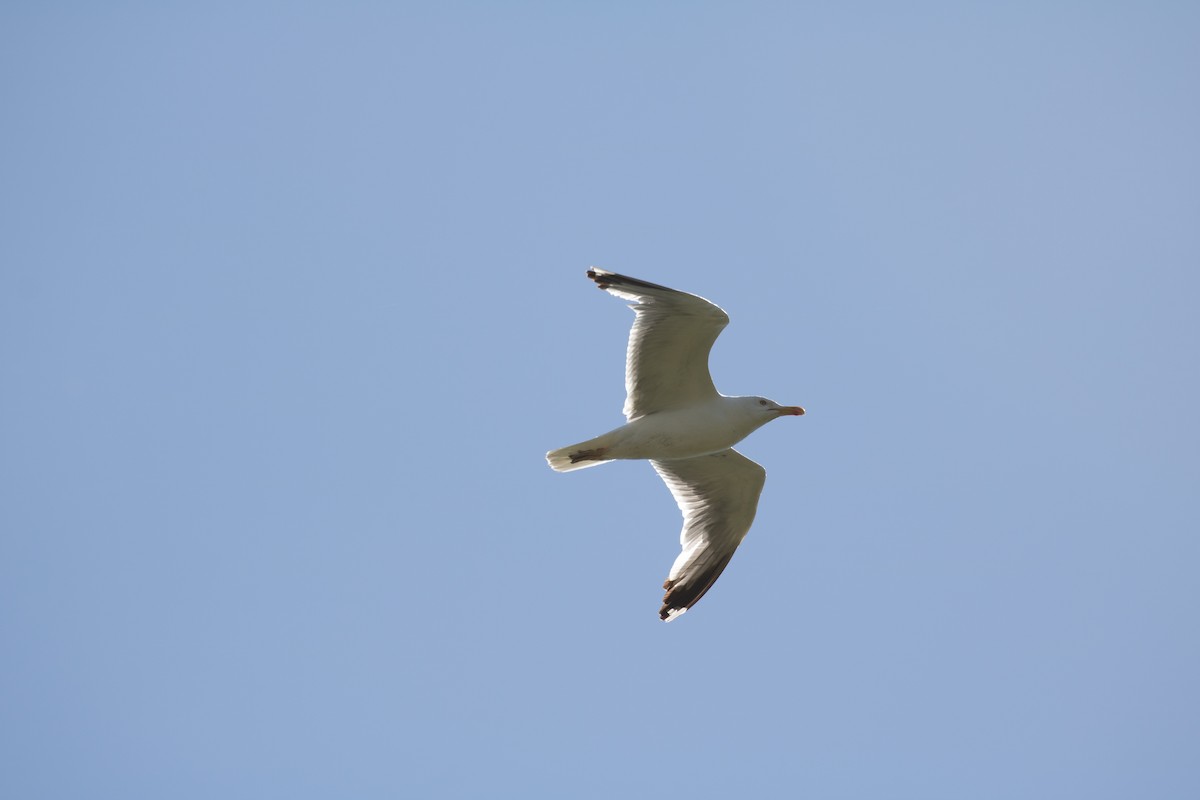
(293, 305)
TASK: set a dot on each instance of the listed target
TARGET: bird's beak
(791, 411)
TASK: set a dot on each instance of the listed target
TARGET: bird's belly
(673, 435)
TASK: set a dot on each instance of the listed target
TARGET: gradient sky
(292, 303)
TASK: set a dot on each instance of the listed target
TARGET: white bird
(678, 420)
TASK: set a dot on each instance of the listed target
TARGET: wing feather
(666, 364)
(718, 496)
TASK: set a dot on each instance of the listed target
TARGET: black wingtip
(682, 595)
(606, 279)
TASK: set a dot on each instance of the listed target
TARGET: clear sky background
(292, 303)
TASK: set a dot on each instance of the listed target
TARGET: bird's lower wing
(718, 495)
(666, 365)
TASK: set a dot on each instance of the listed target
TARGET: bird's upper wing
(666, 366)
(718, 495)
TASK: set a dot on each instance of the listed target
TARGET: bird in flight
(687, 430)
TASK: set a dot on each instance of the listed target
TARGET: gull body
(678, 421)
(708, 427)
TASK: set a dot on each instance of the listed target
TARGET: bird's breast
(680, 434)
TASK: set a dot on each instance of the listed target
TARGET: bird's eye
(762, 402)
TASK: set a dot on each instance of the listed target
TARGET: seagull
(678, 420)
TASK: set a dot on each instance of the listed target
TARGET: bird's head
(772, 410)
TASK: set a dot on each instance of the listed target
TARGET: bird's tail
(579, 456)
